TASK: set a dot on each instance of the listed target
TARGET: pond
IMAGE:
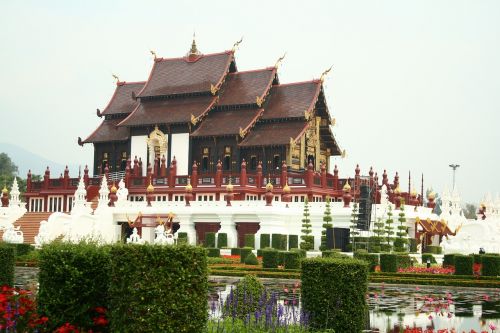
(393, 307)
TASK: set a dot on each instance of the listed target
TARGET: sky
(414, 87)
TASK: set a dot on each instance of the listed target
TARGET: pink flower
(492, 327)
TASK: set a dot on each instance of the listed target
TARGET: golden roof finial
(153, 53)
(279, 61)
(323, 75)
(113, 188)
(116, 78)
(235, 45)
(5, 190)
(286, 188)
(194, 49)
(347, 187)
(229, 186)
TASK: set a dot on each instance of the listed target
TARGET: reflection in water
(392, 308)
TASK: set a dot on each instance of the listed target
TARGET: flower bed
(430, 270)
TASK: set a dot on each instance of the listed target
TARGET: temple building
(200, 109)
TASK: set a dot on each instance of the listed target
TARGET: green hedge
(302, 253)
(291, 260)
(333, 293)
(281, 258)
(388, 262)
(213, 252)
(221, 240)
(250, 240)
(244, 251)
(449, 260)
(463, 265)
(400, 245)
(491, 265)
(278, 241)
(404, 260)
(433, 249)
(157, 288)
(22, 249)
(412, 244)
(332, 254)
(477, 258)
(236, 251)
(182, 238)
(7, 264)
(265, 241)
(428, 256)
(269, 258)
(293, 242)
(370, 258)
(209, 239)
(251, 259)
(73, 280)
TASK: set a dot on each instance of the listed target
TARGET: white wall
(139, 148)
(180, 149)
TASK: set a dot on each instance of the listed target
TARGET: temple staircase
(30, 223)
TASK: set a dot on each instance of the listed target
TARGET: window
(276, 162)
(123, 163)
(104, 162)
(205, 159)
(253, 162)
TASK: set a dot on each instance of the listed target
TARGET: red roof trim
(295, 83)
(315, 99)
(254, 120)
(301, 133)
(149, 78)
(269, 85)
(91, 134)
(209, 107)
(254, 70)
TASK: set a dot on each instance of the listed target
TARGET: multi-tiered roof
(207, 93)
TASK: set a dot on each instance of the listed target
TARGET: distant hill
(26, 160)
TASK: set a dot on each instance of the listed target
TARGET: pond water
(393, 307)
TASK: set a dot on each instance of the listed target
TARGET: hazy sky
(415, 85)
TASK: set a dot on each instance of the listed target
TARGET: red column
(136, 167)
(323, 175)
(309, 175)
(243, 174)
(218, 174)
(259, 175)
(172, 173)
(284, 174)
(46, 178)
(335, 178)
(357, 179)
(66, 178)
(86, 176)
(194, 175)
(140, 166)
(127, 174)
(28, 181)
(163, 167)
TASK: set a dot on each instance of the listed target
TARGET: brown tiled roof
(180, 75)
(169, 111)
(244, 87)
(269, 134)
(122, 101)
(108, 131)
(230, 122)
(291, 100)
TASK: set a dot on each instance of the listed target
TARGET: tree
(327, 218)
(470, 211)
(401, 240)
(354, 232)
(7, 167)
(379, 232)
(306, 237)
(389, 228)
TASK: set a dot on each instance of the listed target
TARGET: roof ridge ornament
(237, 44)
(279, 61)
(116, 78)
(153, 53)
(194, 49)
(325, 73)
(242, 133)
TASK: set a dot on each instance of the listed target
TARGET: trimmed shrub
(430, 257)
(278, 241)
(333, 293)
(251, 259)
(302, 253)
(236, 251)
(388, 262)
(7, 264)
(370, 258)
(150, 281)
(265, 241)
(22, 249)
(293, 241)
(209, 239)
(74, 280)
(412, 244)
(250, 240)
(333, 254)
(291, 260)
(463, 265)
(449, 260)
(244, 251)
(221, 240)
(385, 247)
(400, 245)
(281, 258)
(403, 260)
(213, 252)
(182, 238)
(491, 265)
(433, 249)
(477, 258)
(269, 258)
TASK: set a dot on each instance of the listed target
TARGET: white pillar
(228, 226)
(187, 225)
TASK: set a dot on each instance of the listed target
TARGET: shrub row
(433, 249)
(333, 293)
(138, 284)
(7, 264)
(265, 241)
(221, 240)
(250, 240)
(279, 241)
(370, 258)
(428, 257)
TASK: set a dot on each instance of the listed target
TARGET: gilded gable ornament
(259, 101)
(213, 89)
(194, 120)
(242, 133)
